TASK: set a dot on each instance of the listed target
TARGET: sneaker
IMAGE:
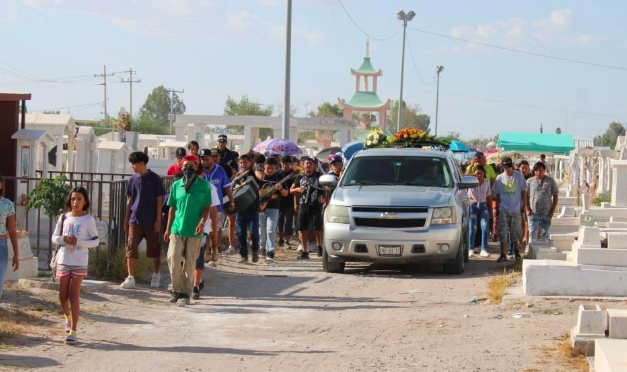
(230, 250)
(202, 284)
(319, 250)
(510, 256)
(213, 264)
(303, 256)
(470, 253)
(256, 256)
(270, 255)
(182, 301)
(156, 280)
(174, 297)
(281, 242)
(243, 260)
(196, 293)
(300, 248)
(502, 258)
(484, 253)
(262, 253)
(70, 339)
(128, 283)
(476, 250)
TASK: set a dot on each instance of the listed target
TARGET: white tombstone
(131, 138)
(86, 145)
(590, 320)
(28, 263)
(30, 144)
(112, 157)
(619, 183)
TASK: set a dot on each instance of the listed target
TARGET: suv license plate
(389, 250)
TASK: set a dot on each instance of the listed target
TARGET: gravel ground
(291, 316)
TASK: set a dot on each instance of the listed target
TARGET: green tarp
(536, 142)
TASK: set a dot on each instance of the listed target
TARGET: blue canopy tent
(457, 146)
(351, 148)
(536, 142)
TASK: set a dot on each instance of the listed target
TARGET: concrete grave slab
(610, 355)
(617, 323)
(617, 240)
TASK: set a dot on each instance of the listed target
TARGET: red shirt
(173, 170)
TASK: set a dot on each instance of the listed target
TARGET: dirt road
(291, 316)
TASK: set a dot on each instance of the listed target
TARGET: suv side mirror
(468, 182)
(328, 180)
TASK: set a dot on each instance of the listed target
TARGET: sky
(212, 49)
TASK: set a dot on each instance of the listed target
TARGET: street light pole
(405, 17)
(285, 125)
(438, 69)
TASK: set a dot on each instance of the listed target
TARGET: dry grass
(15, 321)
(569, 358)
(497, 286)
(118, 271)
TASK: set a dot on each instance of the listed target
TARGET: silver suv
(398, 206)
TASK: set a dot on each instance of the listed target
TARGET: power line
(411, 54)
(522, 51)
(130, 81)
(362, 30)
(534, 107)
(85, 105)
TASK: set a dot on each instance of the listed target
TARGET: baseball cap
(336, 158)
(204, 152)
(190, 157)
(222, 138)
(181, 152)
(507, 162)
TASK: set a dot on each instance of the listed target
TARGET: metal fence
(107, 195)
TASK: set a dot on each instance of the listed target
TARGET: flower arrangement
(376, 138)
(411, 137)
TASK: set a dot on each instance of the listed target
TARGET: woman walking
(75, 232)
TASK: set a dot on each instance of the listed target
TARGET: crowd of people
(512, 202)
(518, 200)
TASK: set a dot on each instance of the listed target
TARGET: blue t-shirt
(144, 191)
(218, 178)
(510, 189)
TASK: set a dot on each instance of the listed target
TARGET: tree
(245, 107)
(410, 117)
(610, 136)
(558, 130)
(327, 110)
(454, 136)
(154, 113)
(480, 143)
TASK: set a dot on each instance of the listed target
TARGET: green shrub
(601, 198)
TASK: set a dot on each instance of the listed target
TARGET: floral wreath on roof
(409, 137)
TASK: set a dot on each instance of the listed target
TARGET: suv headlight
(443, 216)
(337, 214)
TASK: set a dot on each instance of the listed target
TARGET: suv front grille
(392, 223)
(392, 209)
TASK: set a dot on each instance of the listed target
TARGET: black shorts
(286, 221)
(309, 217)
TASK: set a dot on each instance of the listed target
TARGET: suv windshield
(397, 170)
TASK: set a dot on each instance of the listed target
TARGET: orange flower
(406, 136)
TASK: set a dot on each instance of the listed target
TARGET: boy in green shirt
(189, 201)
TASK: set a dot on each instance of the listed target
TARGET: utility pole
(172, 91)
(130, 81)
(438, 69)
(288, 56)
(104, 76)
(405, 17)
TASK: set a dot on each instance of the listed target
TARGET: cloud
(267, 2)
(554, 30)
(276, 33)
(9, 13)
(239, 21)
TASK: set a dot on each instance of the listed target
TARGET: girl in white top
(75, 232)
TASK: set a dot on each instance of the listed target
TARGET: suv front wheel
(331, 267)
(457, 267)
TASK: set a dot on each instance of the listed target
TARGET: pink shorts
(71, 271)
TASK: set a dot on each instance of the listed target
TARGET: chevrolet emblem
(389, 216)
